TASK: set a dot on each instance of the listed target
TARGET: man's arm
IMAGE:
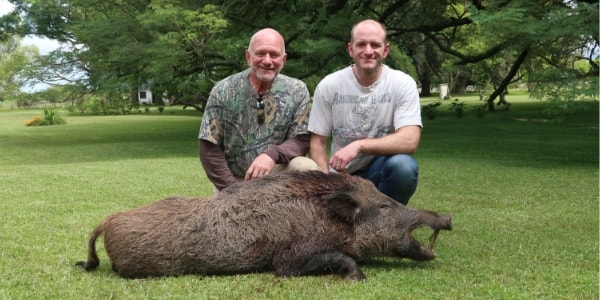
(290, 148)
(296, 139)
(405, 140)
(214, 164)
(318, 151)
(283, 153)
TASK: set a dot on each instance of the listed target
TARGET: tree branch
(467, 59)
(507, 79)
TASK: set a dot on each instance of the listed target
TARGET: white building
(145, 97)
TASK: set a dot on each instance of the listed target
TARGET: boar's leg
(323, 263)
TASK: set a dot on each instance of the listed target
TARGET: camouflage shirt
(232, 120)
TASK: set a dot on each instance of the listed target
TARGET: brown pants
(299, 163)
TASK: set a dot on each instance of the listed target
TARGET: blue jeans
(396, 176)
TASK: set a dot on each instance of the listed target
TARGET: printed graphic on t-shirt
(362, 121)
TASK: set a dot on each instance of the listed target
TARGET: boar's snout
(418, 251)
(447, 220)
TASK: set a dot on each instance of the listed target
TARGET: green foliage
(458, 107)
(14, 58)
(430, 110)
(183, 47)
(399, 60)
(480, 110)
(51, 97)
(99, 104)
(49, 117)
(180, 37)
(569, 36)
(25, 100)
(569, 87)
(558, 109)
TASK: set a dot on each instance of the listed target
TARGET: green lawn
(523, 191)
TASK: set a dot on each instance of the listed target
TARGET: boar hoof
(355, 275)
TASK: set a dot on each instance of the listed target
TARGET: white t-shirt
(344, 109)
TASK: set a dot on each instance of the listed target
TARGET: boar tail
(92, 261)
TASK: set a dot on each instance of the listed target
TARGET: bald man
(373, 115)
(255, 122)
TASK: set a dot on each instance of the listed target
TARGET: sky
(44, 45)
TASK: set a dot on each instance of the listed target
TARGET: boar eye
(384, 206)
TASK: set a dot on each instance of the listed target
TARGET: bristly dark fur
(293, 223)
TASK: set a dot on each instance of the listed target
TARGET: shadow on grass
(390, 264)
(520, 137)
(90, 139)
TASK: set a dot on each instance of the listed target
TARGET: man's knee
(403, 163)
(299, 163)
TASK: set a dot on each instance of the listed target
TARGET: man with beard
(255, 121)
(372, 113)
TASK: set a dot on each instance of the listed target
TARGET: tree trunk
(425, 85)
(134, 96)
(503, 86)
(157, 98)
(458, 88)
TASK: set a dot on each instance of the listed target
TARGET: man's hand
(340, 160)
(260, 167)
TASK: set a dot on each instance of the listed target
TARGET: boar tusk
(432, 238)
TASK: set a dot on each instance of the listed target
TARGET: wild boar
(292, 223)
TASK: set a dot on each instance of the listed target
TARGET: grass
(523, 192)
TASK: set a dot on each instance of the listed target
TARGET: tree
(122, 45)
(184, 46)
(551, 32)
(14, 58)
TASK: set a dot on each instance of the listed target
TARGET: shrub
(480, 110)
(51, 117)
(430, 110)
(458, 107)
(98, 105)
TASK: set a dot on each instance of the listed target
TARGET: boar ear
(344, 205)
